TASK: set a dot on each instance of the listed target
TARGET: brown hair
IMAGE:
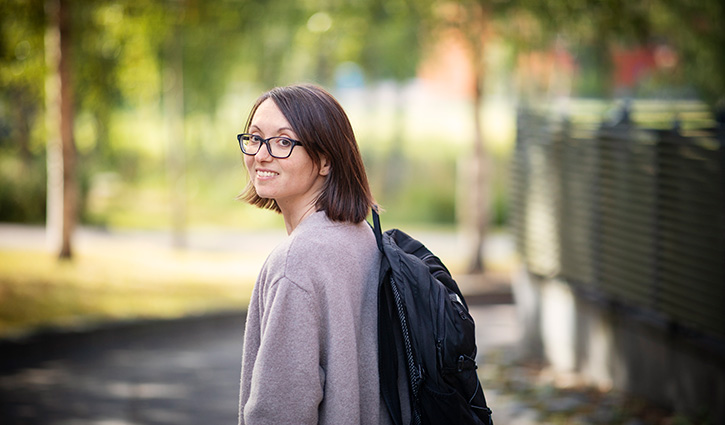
(325, 131)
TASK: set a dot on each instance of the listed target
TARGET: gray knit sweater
(310, 343)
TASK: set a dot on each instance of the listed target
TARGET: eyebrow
(279, 130)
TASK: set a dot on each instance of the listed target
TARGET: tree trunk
(62, 195)
(479, 187)
(479, 181)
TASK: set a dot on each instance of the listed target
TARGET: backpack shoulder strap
(376, 228)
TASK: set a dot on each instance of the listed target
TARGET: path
(173, 372)
(176, 372)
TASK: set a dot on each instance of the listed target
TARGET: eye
(284, 142)
(255, 139)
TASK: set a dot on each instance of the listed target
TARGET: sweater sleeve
(287, 381)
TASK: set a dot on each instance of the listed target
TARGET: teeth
(266, 173)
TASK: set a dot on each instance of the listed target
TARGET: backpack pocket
(448, 405)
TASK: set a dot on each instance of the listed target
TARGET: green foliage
(695, 29)
(22, 190)
(122, 66)
(391, 39)
(593, 28)
(414, 190)
(122, 60)
(22, 75)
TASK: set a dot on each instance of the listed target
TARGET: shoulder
(319, 247)
(320, 237)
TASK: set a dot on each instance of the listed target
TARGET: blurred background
(572, 148)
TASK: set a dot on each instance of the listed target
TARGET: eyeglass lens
(279, 147)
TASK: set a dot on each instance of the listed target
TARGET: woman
(310, 344)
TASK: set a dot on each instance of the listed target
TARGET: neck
(293, 218)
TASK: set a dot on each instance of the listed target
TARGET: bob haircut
(324, 130)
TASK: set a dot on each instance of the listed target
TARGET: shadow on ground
(162, 372)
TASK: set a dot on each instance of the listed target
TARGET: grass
(110, 283)
(128, 275)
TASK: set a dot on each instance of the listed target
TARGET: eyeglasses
(278, 147)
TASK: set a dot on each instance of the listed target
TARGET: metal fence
(629, 215)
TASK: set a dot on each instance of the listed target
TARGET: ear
(324, 166)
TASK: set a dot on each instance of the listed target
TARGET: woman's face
(293, 182)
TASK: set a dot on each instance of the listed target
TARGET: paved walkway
(169, 372)
(176, 372)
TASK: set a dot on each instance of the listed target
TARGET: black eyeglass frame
(266, 142)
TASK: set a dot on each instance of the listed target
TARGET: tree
(468, 23)
(693, 29)
(21, 72)
(474, 25)
(22, 147)
(62, 182)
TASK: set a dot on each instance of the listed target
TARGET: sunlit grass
(127, 276)
(110, 284)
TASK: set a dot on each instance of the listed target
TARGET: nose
(263, 154)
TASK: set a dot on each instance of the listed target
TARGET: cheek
(248, 162)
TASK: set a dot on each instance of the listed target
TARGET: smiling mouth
(262, 173)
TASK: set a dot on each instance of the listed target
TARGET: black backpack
(423, 322)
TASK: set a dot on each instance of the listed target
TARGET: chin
(264, 194)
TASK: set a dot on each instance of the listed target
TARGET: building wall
(608, 347)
